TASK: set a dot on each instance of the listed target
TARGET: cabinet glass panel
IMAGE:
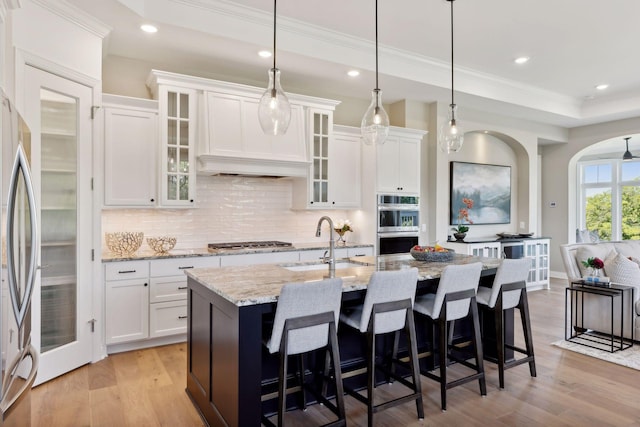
(184, 106)
(184, 133)
(324, 195)
(316, 191)
(316, 146)
(184, 160)
(324, 169)
(184, 187)
(172, 132)
(325, 124)
(172, 104)
(59, 145)
(172, 159)
(316, 169)
(172, 187)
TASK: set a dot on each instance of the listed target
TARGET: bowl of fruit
(432, 253)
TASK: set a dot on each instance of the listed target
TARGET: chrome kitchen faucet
(332, 257)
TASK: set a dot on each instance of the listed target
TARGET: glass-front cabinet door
(58, 112)
(178, 112)
(320, 130)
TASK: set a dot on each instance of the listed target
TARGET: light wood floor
(146, 388)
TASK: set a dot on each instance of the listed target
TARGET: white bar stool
(305, 320)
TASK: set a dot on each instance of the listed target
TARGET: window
(609, 198)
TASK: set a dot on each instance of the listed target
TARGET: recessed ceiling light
(148, 28)
(602, 86)
(353, 73)
(265, 54)
(521, 60)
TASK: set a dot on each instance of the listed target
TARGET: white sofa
(597, 310)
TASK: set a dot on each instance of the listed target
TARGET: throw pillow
(619, 269)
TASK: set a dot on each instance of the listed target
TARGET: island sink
(321, 266)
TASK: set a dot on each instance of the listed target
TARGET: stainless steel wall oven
(398, 223)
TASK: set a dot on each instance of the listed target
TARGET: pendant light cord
(274, 36)
(377, 88)
(452, 99)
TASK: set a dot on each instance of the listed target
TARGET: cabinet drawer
(126, 270)
(177, 266)
(172, 288)
(167, 318)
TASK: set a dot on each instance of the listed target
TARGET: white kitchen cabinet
(335, 174)
(537, 250)
(148, 299)
(130, 151)
(363, 251)
(481, 249)
(127, 310)
(127, 301)
(177, 120)
(233, 136)
(398, 162)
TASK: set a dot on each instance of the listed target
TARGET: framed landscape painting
(488, 187)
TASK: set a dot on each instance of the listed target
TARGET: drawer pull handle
(185, 268)
(182, 317)
(181, 288)
(126, 271)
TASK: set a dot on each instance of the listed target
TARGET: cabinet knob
(333, 203)
(311, 202)
(191, 200)
(153, 200)
(146, 284)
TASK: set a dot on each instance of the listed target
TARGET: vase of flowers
(341, 227)
(594, 264)
(460, 232)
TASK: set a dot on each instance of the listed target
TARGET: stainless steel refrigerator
(19, 267)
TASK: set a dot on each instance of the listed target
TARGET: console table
(574, 328)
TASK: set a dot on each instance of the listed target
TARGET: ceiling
(574, 45)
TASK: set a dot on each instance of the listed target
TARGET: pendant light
(274, 110)
(375, 123)
(451, 134)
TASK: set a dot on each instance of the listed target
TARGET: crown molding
(75, 16)
(6, 6)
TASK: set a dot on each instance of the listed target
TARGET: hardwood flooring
(146, 388)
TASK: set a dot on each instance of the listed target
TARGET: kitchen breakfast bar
(229, 310)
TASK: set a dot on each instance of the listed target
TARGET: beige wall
(559, 180)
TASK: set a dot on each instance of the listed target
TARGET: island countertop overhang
(259, 284)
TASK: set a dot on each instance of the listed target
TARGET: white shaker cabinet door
(127, 310)
(130, 157)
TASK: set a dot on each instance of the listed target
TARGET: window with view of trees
(610, 198)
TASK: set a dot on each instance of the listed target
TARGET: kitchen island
(227, 308)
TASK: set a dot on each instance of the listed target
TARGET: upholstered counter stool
(454, 299)
(306, 320)
(387, 308)
(509, 291)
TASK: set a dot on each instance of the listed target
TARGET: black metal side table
(574, 327)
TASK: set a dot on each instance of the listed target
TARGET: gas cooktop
(249, 245)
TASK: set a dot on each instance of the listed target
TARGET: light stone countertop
(261, 284)
(147, 254)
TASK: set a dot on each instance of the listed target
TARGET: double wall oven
(398, 223)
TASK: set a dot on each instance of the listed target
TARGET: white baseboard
(154, 342)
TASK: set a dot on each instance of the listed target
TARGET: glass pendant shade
(274, 110)
(375, 123)
(451, 134)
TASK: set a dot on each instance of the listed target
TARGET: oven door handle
(398, 208)
(399, 234)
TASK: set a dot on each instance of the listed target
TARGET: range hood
(212, 164)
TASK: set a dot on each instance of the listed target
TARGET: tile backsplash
(227, 209)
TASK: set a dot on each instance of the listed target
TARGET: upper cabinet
(235, 143)
(130, 151)
(398, 162)
(334, 178)
(178, 121)
(230, 139)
